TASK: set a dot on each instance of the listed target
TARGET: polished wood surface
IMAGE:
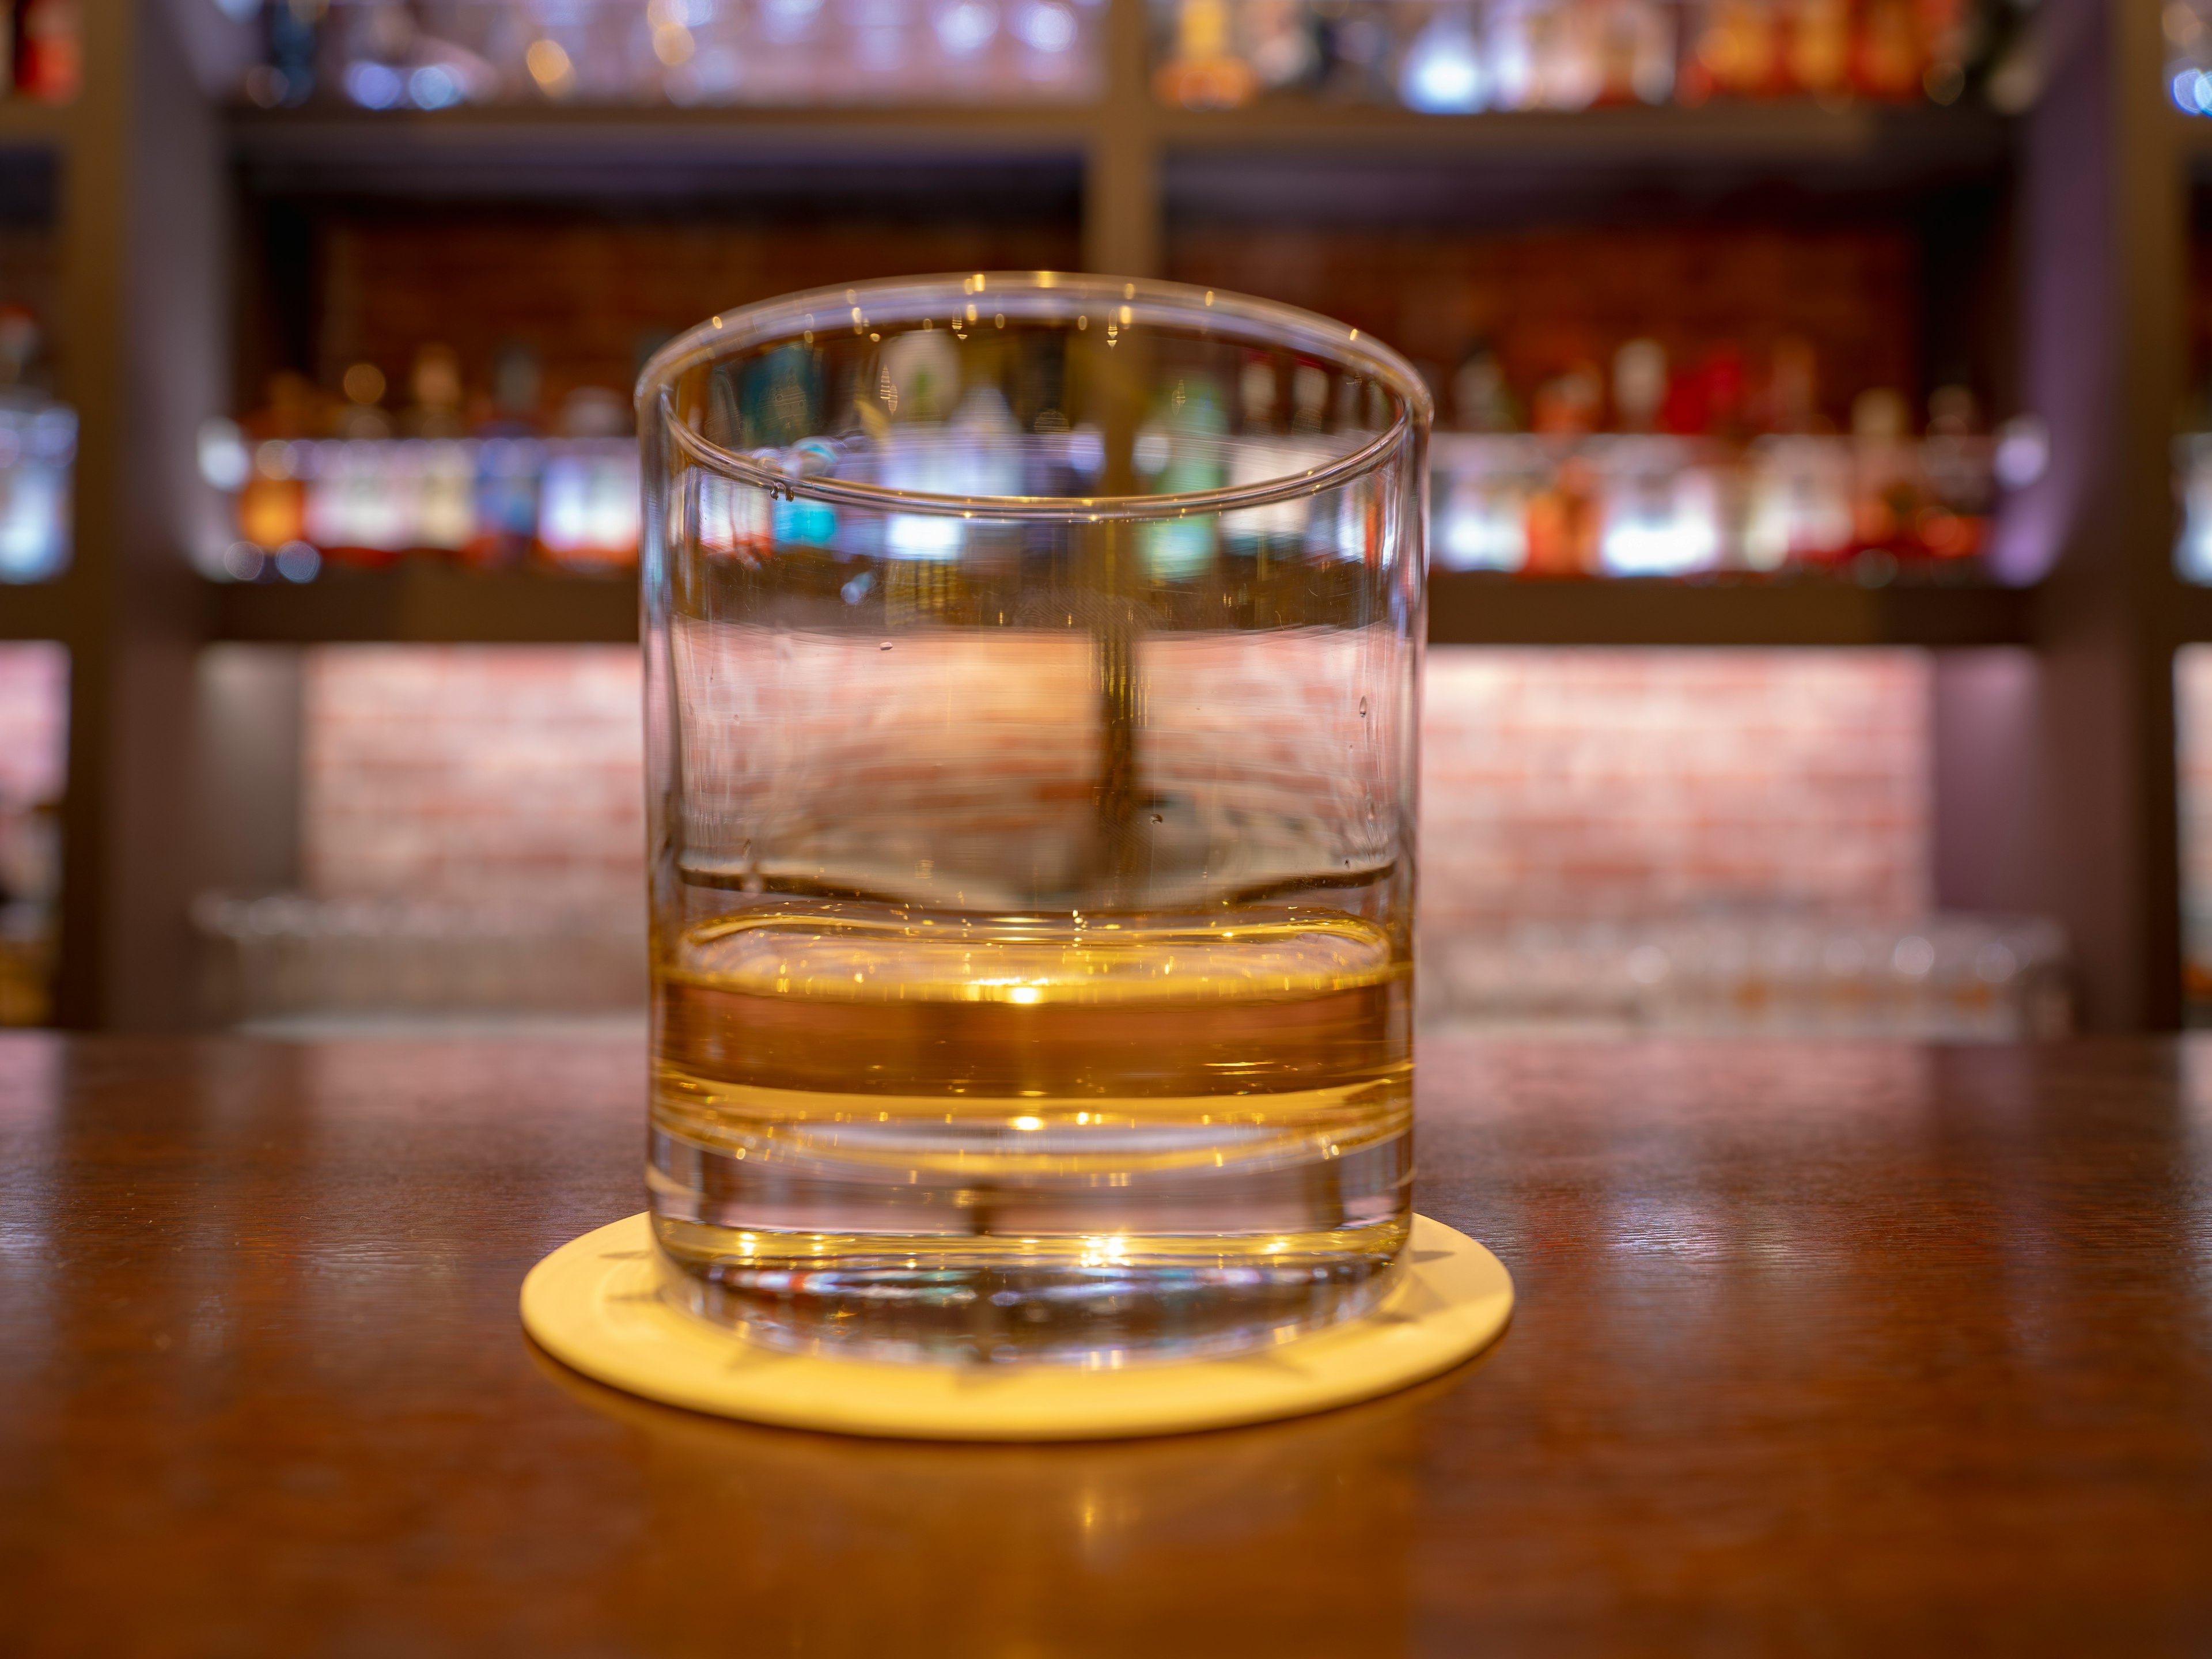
(1818, 1350)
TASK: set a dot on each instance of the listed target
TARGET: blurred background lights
(373, 86)
(966, 27)
(547, 61)
(1045, 26)
(2023, 451)
(222, 458)
(434, 87)
(1443, 74)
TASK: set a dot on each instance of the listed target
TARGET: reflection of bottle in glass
(1181, 450)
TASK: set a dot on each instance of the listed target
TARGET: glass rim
(1033, 296)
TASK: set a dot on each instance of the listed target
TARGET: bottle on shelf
(1204, 71)
(1726, 465)
(38, 450)
(49, 50)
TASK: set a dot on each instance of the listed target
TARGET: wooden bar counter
(1819, 1350)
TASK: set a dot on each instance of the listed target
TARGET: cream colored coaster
(596, 1304)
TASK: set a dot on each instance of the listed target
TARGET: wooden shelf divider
(424, 602)
(1478, 610)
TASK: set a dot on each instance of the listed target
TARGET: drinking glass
(1032, 670)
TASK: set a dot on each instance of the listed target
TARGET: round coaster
(596, 1304)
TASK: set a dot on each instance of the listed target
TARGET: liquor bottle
(444, 470)
(1569, 405)
(1955, 461)
(510, 460)
(1205, 72)
(294, 42)
(1734, 51)
(49, 50)
(1564, 521)
(1481, 399)
(1817, 55)
(1636, 49)
(361, 500)
(1884, 498)
(271, 505)
(434, 385)
(1640, 385)
(1888, 59)
(1279, 42)
(587, 515)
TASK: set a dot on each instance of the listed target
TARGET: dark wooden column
(2055, 778)
(143, 231)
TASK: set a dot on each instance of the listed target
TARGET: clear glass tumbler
(1033, 665)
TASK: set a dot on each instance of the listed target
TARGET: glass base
(1062, 1272)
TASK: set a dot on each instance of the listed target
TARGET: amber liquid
(1086, 1138)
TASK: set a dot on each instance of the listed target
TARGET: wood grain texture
(1818, 1350)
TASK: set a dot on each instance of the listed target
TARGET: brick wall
(1556, 784)
(34, 722)
(1574, 784)
(497, 776)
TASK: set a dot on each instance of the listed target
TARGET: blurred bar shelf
(1782, 136)
(2191, 614)
(1887, 144)
(468, 151)
(425, 601)
(26, 123)
(1480, 608)
(34, 611)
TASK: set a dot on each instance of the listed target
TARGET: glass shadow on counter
(1291, 1538)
